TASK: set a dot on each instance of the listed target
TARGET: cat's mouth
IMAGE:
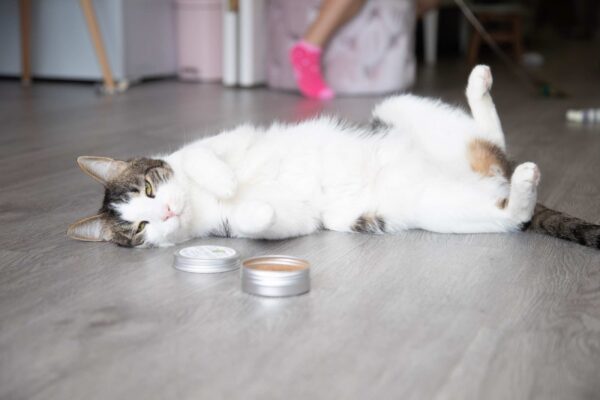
(170, 215)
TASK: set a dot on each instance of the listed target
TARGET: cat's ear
(90, 229)
(102, 169)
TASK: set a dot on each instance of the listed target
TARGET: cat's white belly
(313, 184)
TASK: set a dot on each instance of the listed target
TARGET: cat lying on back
(421, 164)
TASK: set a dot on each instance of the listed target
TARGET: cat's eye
(149, 190)
(141, 226)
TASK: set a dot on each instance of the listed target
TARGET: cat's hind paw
(527, 174)
(480, 82)
(523, 191)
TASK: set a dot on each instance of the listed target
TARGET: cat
(419, 164)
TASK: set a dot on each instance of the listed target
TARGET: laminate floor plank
(412, 316)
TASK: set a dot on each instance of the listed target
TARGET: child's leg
(305, 56)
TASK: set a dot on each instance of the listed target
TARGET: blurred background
(245, 43)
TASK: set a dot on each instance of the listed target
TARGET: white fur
(290, 180)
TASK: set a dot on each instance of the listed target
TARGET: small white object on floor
(532, 59)
(120, 87)
(585, 116)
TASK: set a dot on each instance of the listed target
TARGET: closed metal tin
(206, 259)
(275, 276)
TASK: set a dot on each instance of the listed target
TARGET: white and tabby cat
(420, 164)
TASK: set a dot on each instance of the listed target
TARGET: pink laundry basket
(199, 39)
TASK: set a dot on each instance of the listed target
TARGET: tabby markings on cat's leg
(224, 230)
(488, 159)
(369, 223)
(502, 203)
(378, 126)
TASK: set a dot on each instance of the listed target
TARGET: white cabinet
(139, 37)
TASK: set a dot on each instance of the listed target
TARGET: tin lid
(206, 259)
(275, 276)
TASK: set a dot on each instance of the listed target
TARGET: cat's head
(144, 204)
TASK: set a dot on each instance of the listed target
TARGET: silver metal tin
(206, 259)
(275, 276)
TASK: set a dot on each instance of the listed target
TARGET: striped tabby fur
(563, 226)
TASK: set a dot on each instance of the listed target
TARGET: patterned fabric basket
(373, 53)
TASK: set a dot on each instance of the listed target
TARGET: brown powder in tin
(275, 267)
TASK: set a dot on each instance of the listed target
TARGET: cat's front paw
(253, 217)
(210, 172)
(480, 82)
(224, 186)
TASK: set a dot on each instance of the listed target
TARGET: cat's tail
(563, 226)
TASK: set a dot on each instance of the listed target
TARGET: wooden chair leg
(473, 53)
(25, 25)
(518, 37)
(92, 24)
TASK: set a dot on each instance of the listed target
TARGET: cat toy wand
(539, 86)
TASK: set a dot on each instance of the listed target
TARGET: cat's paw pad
(527, 173)
(480, 81)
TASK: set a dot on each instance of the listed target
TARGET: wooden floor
(413, 316)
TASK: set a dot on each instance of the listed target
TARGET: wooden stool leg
(518, 37)
(25, 22)
(92, 24)
(473, 54)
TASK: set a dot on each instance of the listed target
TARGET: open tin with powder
(206, 259)
(275, 276)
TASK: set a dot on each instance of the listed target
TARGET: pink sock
(306, 62)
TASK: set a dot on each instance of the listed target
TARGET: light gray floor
(417, 315)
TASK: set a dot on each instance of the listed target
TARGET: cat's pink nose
(169, 213)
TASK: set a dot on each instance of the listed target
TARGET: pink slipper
(306, 62)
